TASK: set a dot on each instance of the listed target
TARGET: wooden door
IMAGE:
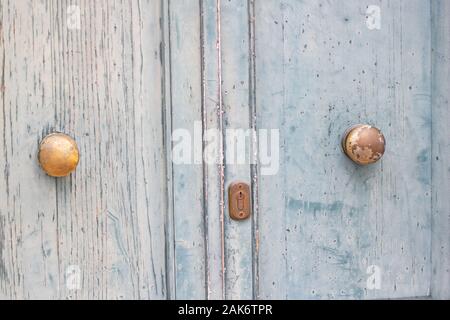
(330, 229)
(324, 227)
(325, 67)
(130, 223)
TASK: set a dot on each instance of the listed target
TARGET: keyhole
(240, 202)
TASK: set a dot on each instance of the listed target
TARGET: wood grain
(236, 104)
(214, 170)
(131, 224)
(323, 220)
(100, 83)
(188, 194)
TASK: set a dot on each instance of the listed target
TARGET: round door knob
(364, 144)
(58, 155)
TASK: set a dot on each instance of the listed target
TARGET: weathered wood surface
(118, 79)
(188, 196)
(323, 220)
(134, 225)
(214, 171)
(441, 149)
(100, 83)
(235, 73)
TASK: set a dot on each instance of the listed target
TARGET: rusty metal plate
(239, 200)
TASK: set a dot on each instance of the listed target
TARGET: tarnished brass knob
(364, 144)
(58, 155)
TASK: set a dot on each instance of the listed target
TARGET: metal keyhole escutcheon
(239, 200)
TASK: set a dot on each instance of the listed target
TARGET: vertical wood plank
(188, 193)
(270, 105)
(167, 127)
(235, 50)
(122, 167)
(441, 149)
(28, 211)
(324, 221)
(213, 170)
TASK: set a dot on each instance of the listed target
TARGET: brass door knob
(58, 155)
(364, 144)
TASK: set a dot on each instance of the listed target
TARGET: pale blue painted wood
(235, 70)
(214, 171)
(140, 227)
(323, 220)
(269, 107)
(441, 149)
(188, 193)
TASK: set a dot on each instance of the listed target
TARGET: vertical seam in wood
(254, 148)
(2, 87)
(58, 249)
(221, 145)
(133, 219)
(3, 220)
(167, 127)
(204, 168)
